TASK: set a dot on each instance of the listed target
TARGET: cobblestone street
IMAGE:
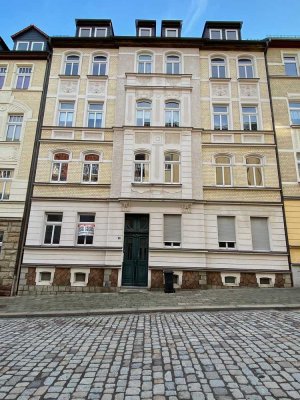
(249, 355)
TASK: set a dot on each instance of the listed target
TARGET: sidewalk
(136, 301)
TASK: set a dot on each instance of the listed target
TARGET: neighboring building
(156, 152)
(22, 73)
(283, 57)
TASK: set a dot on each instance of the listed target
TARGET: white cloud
(196, 9)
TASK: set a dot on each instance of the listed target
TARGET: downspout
(277, 158)
(28, 201)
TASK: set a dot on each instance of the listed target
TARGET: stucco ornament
(248, 91)
(68, 86)
(220, 91)
(97, 87)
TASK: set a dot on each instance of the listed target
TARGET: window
(91, 168)
(260, 234)
(85, 32)
(53, 228)
(172, 230)
(60, 167)
(223, 170)
(22, 46)
(66, 113)
(23, 77)
(290, 65)
(226, 232)
(295, 113)
(2, 76)
(37, 46)
(100, 32)
(72, 65)
(218, 69)
(85, 230)
(44, 276)
(79, 277)
(173, 64)
(254, 171)
(245, 68)
(145, 32)
(172, 167)
(5, 183)
(231, 278)
(172, 114)
(171, 32)
(14, 127)
(144, 64)
(265, 280)
(141, 167)
(95, 115)
(1, 240)
(220, 115)
(250, 119)
(143, 113)
(99, 65)
(231, 34)
(215, 33)
(298, 164)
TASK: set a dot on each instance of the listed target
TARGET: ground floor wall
(10, 233)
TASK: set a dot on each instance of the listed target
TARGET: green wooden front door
(136, 243)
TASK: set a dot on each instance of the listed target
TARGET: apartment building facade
(284, 76)
(156, 153)
(22, 72)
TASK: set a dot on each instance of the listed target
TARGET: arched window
(72, 65)
(254, 171)
(90, 168)
(141, 167)
(172, 113)
(143, 113)
(223, 170)
(218, 68)
(99, 65)
(172, 167)
(144, 64)
(60, 167)
(173, 64)
(245, 68)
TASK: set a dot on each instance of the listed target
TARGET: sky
(260, 18)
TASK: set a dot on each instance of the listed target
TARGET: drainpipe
(277, 157)
(28, 201)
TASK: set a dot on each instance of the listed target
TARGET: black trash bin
(169, 283)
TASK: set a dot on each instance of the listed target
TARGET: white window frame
(53, 224)
(297, 161)
(172, 111)
(32, 43)
(215, 30)
(15, 124)
(236, 275)
(172, 163)
(1, 241)
(143, 110)
(6, 176)
(144, 63)
(142, 163)
(244, 67)
(90, 163)
(3, 72)
(99, 64)
(220, 114)
(23, 72)
(94, 113)
(294, 109)
(227, 247)
(145, 29)
(171, 30)
(102, 29)
(231, 30)
(85, 223)
(67, 112)
(172, 244)
(75, 271)
(60, 162)
(248, 115)
(218, 64)
(28, 43)
(254, 167)
(269, 276)
(85, 28)
(294, 56)
(38, 272)
(173, 63)
(73, 62)
(223, 166)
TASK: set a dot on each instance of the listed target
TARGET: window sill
(100, 77)
(20, 90)
(248, 79)
(220, 79)
(69, 76)
(146, 184)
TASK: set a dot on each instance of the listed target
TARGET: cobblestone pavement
(148, 299)
(199, 355)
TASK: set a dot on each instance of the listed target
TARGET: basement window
(79, 277)
(230, 278)
(265, 280)
(44, 277)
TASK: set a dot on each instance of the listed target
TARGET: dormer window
(37, 46)
(22, 46)
(145, 32)
(171, 32)
(231, 34)
(85, 32)
(33, 46)
(100, 32)
(215, 34)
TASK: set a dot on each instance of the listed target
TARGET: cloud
(196, 9)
